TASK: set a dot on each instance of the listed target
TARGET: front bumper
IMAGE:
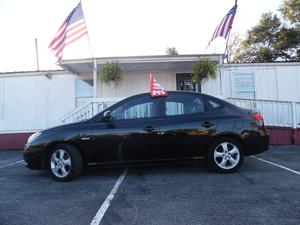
(34, 157)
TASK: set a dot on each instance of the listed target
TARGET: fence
(275, 113)
(89, 109)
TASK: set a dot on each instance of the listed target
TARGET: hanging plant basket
(112, 73)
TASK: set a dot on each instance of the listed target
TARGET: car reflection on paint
(182, 125)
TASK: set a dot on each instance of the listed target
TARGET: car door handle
(150, 129)
(207, 124)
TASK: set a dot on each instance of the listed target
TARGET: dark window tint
(183, 104)
(143, 107)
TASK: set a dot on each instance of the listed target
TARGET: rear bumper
(256, 144)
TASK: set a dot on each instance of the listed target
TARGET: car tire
(225, 155)
(65, 162)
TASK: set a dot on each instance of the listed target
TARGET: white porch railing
(275, 113)
(89, 109)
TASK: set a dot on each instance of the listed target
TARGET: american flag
(72, 29)
(225, 26)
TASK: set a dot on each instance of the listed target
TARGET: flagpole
(95, 69)
(37, 55)
(226, 46)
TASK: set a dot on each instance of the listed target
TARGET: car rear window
(214, 104)
(184, 104)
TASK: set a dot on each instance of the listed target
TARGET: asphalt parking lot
(177, 193)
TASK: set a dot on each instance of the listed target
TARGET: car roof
(205, 96)
(178, 92)
(171, 92)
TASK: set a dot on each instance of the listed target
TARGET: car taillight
(258, 117)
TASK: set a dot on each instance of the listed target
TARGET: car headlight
(33, 137)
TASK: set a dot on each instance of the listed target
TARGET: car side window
(183, 104)
(136, 109)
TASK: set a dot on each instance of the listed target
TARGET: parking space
(177, 193)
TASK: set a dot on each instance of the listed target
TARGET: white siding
(272, 82)
(32, 101)
(36, 102)
(212, 87)
(137, 83)
(289, 83)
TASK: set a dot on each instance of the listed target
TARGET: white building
(31, 101)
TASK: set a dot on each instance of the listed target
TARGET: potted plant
(112, 73)
(203, 70)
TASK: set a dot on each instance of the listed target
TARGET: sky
(118, 27)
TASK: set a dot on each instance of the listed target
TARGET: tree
(290, 9)
(261, 40)
(273, 38)
(233, 46)
(171, 51)
(203, 70)
(112, 73)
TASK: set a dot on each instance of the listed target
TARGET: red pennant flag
(156, 89)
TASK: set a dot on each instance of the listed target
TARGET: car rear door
(187, 126)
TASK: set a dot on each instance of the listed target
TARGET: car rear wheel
(65, 163)
(225, 155)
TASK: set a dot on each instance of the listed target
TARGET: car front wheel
(65, 162)
(225, 155)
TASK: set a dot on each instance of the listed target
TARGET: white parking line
(97, 219)
(13, 163)
(275, 164)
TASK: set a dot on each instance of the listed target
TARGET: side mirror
(107, 116)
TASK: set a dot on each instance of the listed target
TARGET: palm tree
(171, 51)
(203, 70)
(112, 73)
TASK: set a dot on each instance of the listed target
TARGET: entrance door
(184, 83)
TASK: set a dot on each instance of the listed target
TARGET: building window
(84, 92)
(184, 83)
(1, 99)
(244, 85)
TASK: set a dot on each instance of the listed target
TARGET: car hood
(63, 127)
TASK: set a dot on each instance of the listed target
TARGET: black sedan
(183, 125)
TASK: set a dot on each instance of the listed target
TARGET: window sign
(244, 85)
(1, 99)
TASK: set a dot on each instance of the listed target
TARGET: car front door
(187, 127)
(132, 134)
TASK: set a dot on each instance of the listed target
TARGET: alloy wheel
(227, 155)
(60, 163)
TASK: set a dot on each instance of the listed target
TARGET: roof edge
(33, 71)
(261, 64)
(149, 58)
